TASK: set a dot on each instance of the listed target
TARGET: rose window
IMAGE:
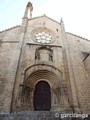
(43, 37)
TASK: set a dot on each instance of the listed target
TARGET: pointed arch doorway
(42, 96)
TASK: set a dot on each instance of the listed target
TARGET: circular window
(43, 35)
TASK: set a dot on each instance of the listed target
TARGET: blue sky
(75, 13)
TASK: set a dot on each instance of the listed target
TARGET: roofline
(78, 36)
(31, 19)
(46, 17)
(10, 28)
(50, 19)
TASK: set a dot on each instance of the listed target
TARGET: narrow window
(37, 55)
(51, 56)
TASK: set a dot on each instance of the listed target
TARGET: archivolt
(48, 73)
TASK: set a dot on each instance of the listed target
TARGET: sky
(75, 13)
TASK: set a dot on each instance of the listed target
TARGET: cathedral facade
(43, 68)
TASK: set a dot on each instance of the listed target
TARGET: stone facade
(64, 63)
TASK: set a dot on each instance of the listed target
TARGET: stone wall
(82, 82)
(17, 54)
(9, 49)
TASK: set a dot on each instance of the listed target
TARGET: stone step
(36, 115)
